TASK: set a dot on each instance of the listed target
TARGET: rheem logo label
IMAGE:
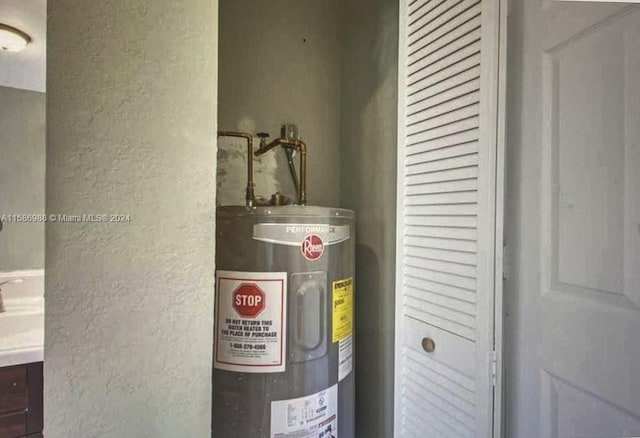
(248, 300)
(312, 247)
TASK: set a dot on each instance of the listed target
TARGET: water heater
(284, 317)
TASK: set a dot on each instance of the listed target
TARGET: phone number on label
(237, 346)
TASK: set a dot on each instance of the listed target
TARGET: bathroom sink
(21, 332)
(14, 325)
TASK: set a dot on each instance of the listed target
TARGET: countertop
(22, 324)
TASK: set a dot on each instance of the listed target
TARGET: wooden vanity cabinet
(21, 401)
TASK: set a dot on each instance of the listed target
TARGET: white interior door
(573, 296)
(449, 214)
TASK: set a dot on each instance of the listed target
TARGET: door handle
(428, 345)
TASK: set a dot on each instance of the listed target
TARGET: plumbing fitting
(297, 145)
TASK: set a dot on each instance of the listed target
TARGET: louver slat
(442, 212)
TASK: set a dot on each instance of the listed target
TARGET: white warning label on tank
(250, 322)
(345, 357)
(314, 416)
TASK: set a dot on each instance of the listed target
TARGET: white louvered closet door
(450, 174)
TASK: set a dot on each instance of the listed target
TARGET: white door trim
(398, 329)
(492, 132)
(500, 243)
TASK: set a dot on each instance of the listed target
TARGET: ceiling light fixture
(12, 39)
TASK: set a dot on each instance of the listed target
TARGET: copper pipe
(301, 147)
(250, 196)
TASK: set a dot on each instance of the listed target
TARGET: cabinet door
(13, 425)
(21, 412)
(13, 389)
(449, 239)
(35, 414)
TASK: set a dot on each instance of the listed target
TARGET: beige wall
(369, 113)
(22, 173)
(280, 61)
(131, 106)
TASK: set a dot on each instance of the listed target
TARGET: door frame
(500, 236)
(495, 44)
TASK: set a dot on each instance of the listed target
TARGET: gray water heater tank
(283, 336)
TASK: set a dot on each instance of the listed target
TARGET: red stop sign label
(248, 300)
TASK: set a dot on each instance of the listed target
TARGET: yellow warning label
(342, 309)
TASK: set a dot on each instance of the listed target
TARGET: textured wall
(22, 145)
(280, 61)
(369, 113)
(131, 105)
